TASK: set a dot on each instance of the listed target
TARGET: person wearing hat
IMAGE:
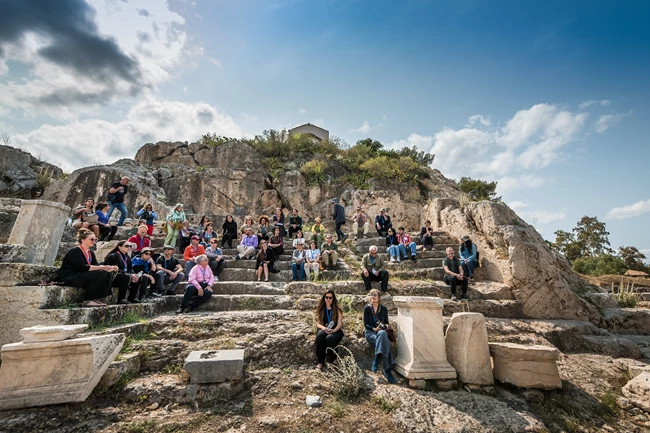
(338, 215)
(168, 271)
(382, 223)
(194, 250)
(145, 264)
(362, 221)
(468, 257)
(247, 245)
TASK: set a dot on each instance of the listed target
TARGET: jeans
(427, 242)
(121, 208)
(382, 345)
(393, 250)
(188, 267)
(468, 268)
(190, 292)
(412, 246)
(163, 278)
(294, 270)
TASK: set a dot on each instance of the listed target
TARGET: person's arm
(210, 278)
(473, 255)
(383, 315)
(191, 278)
(339, 322)
(186, 254)
(255, 244)
(140, 212)
(114, 189)
(368, 319)
(380, 264)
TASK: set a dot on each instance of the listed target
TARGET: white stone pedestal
(39, 227)
(54, 372)
(421, 352)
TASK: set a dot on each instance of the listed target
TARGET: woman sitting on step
(264, 261)
(199, 287)
(229, 227)
(392, 246)
(329, 320)
(126, 279)
(312, 260)
(216, 259)
(248, 223)
(318, 232)
(80, 269)
(300, 238)
(276, 245)
(106, 230)
(264, 229)
(207, 234)
(84, 216)
(375, 320)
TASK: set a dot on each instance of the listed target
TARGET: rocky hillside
(24, 176)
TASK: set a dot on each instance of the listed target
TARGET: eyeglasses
(213, 242)
(328, 297)
(146, 254)
(374, 295)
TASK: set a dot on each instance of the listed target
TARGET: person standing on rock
(454, 274)
(338, 215)
(374, 269)
(80, 268)
(295, 223)
(115, 197)
(329, 321)
(147, 213)
(174, 223)
(375, 322)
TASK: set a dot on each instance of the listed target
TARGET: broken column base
(214, 366)
(526, 366)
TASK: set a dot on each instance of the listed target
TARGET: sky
(550, 99)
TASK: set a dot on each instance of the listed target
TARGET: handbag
(389, 329)
(90, 218)
(178, 225)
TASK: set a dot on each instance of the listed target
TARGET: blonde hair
(375, 291)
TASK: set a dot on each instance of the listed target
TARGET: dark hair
(203, 219)
(278, 229)
(320, 308)
(428, 221)
(263, 217)
(119, 244)
(231, 217)
(101, 205)
(401, 228)
(83, 234)
(390, 229)
(467, 245)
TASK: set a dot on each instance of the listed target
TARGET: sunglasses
(213, 242)
(146, 254)
(328, 297)
(374, 295)
(92, 239)
(128, 246)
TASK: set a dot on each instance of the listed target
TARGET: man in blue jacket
(382, 223)
(339, 218)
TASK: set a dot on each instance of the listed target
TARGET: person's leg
(160, 281)
(258, 273)
(250, 252)
(383, 277)
(175, 283)
(294, 272)
(463, 286)
(200, 300)
(316, 269)
(110, 210)
(321, 337)
(326, 260)
(188, 267)
(123, 213)
(307, 266)
(339, 232)
(454, 283)
(302, 272)
(331, 341)
(113, 231)
(104, 231)
(95, 229)
(266, 272)
(471, 265)
(355, 229)
(366, 281)
(291, 232)
(121, 281)
(402, 251)
(366, 229)
(413, 247)
(335, 257)
(170, 235)
(190, 291)
(149, 229)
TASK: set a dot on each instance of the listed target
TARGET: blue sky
(550, 99)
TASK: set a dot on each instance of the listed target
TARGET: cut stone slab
(313, 401)
(40, 333)
(526, 366)
(214, 366)
(467, 348)
(421, 350)
(637, 391)
(54, 372)
(128, 363)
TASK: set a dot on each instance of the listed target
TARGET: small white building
(318, 132)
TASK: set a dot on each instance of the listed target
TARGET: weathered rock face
(638, 391)
(20, 172)
(514, 253)
(9, 208)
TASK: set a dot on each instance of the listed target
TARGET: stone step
(421, 254)
(230, 274)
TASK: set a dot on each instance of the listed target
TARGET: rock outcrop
(22, 174)
(514, 253)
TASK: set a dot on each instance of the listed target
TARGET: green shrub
(603, 264)
(274, 166)
(213, 140)
(379, 168)
(314, 171)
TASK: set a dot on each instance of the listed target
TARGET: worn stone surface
(526, 366)
(13, 253)
(514, 253)
(41, 333)
(21, 172)
(214, 366)
(466, 341)
(9, 208)
(637, 391)
(73, 369)
(127, 364)
(313, 401)
(39, 227)
(420, 342)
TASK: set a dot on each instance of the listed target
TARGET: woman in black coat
(229, 232)
(125, 280)
(80, 269)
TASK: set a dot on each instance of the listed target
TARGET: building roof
(308, 124)
(631, 273)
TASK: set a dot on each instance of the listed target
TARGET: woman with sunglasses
(375, 320)
(81, 269)
(125, 280)
(329, 320)
(216, 258)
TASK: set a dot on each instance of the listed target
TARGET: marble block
(467, 348)
(214, 366)
(637, 391)
(41, 333)
(421, 352)
(38, 227)
(526, 366)
(54, 372)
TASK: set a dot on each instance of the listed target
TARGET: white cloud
(629, 211)
(517, 206)
(506, 184)
(302, 111)
(363, 129)
(588, 104)
(606, 121)
(318, 122)
(215, 62)
(250, 117)
(544, 217)
(81, 143)
(478, 118)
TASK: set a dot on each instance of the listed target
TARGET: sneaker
(216, 278)
(413, 259)
(123, 302)
(180, 310)
(398, 260)
(345, 237)
(393, 260)
(375, 364)
(237, 257)
(135, 301)
(170, 293)
(355, 237)
(464, 298)
(155, 295)
(453, 298)
(389, 376)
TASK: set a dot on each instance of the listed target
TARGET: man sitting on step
(374, 269)
(406, 245)
(361, 221)
(382, 223)
(328, 253)
(169, 271)
(295, 223)
(247, 245)
(454, 274)
(192, 252)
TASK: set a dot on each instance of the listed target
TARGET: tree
(633, 258)
(375, 145)
(565, 243)
(478, 189)
(6, 140)
(592, 237)
(603, 264)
